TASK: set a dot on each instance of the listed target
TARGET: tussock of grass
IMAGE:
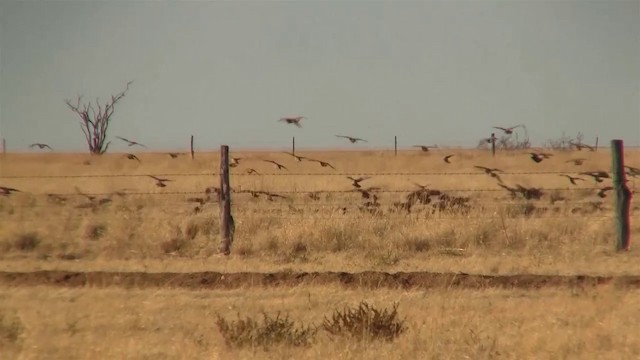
(365, 323)
(272, 331)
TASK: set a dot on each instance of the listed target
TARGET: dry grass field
(144, 227)
(60, 220)
(116, 323)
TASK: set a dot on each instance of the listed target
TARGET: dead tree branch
(94, 121)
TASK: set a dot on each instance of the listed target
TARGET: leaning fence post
(226, 221)
(622, 196)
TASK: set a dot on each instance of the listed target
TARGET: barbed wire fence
(448, 203)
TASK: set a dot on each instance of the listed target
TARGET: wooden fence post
(192, 153)
(227, 225)
(293, 145)
(493, 144)
(596, 149)
(622, 196)
(395, 144)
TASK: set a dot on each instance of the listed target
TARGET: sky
(428, 72)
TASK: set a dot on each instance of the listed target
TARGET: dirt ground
(368, 279)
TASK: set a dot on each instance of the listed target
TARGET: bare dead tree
(95, 120)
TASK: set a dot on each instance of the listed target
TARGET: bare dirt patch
(368, 279)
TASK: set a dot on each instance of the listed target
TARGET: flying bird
(298, 158)
(491, 172)
(159, 181)
(576, 162)
(425, 148)
(278, 166)
(581, 146)
(538, 157)
(173, 155)
(572, 179)
(632, 171)
(597, 175)
(323, 163)
(235, 161)
(508, 130)
(252, 171)
(352, 139)
(41, 146)
(446, 158)
(6, 191)
(132, 157)
(356, 181)
(293, 120)
(131, 143)
(602, 192)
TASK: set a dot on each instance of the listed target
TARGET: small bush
(95, 231)
(27, 241)
(249, 332)
(173, 245)
(11, 329)
(365, 323)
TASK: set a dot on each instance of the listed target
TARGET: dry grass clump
(27, 241)
(272, 331)
(11, 333)
(365, 323)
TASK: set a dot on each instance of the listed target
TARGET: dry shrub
(27, 241)
(173, 245)
(11, 330)
(365, 323)
(95, 231)
(272, 331)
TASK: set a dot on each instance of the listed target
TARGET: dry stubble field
(145, 228)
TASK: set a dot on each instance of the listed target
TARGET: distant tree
(95, 120)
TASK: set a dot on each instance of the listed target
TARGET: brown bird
(41, 146)
(298, 158)
(132, 157)
(159, 181)
(130, 142)
(173, 155)
(278, 166)
(576, 162)
(270, 196)
(572, 179)
(198, 200)
(6, 191)
(582, 146)
(446, 158)
(357, 181)
(602, 192)
(293, 120)
(252, 171)
(366, 193)
(323, 163)
(489, 171)
(632, 171)
(538, 157)
(352, 139)
(234, 162)
(426, 148)
(314, 195)
(597, 175)
(508, 130)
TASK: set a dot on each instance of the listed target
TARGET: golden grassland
(111, 323)
(147, 228)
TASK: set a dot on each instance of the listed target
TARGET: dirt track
(372, 280)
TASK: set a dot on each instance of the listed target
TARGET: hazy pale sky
(429, 72)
